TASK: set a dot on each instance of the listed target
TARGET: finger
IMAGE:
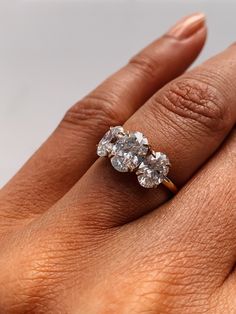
(192, 239)
(69, 152)
(174, 258)
(188, 119)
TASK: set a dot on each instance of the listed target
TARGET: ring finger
(188, 119)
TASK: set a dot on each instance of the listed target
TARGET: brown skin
(79, 237)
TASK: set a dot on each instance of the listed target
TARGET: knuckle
(198, 102)
(145, 64)
(168, 283)
(96, 110)
(32, 288)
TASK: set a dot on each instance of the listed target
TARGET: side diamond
(105, 146)
(153, 169)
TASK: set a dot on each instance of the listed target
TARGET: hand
(79, 237)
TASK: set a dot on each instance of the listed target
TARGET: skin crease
(78, 237)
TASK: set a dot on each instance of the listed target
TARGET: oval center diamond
(128, 152)
(153, 170)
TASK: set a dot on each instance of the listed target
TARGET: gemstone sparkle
(153, 170)
(105, 145)
(129, 151)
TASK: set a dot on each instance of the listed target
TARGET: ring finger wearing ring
(187, 120)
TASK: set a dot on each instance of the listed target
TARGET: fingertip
(188, 26)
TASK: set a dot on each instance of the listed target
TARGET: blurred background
(52, 52)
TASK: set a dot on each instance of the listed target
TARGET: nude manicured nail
(187, 26)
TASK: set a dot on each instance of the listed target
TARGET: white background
(53, 52)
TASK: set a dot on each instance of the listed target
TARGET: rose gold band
(170, 185)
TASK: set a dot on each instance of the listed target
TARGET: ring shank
(170, 185)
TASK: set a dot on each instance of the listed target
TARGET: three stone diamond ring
(131, 152)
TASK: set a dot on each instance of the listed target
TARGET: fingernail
(187, 26)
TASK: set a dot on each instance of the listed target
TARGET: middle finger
(69, 152)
